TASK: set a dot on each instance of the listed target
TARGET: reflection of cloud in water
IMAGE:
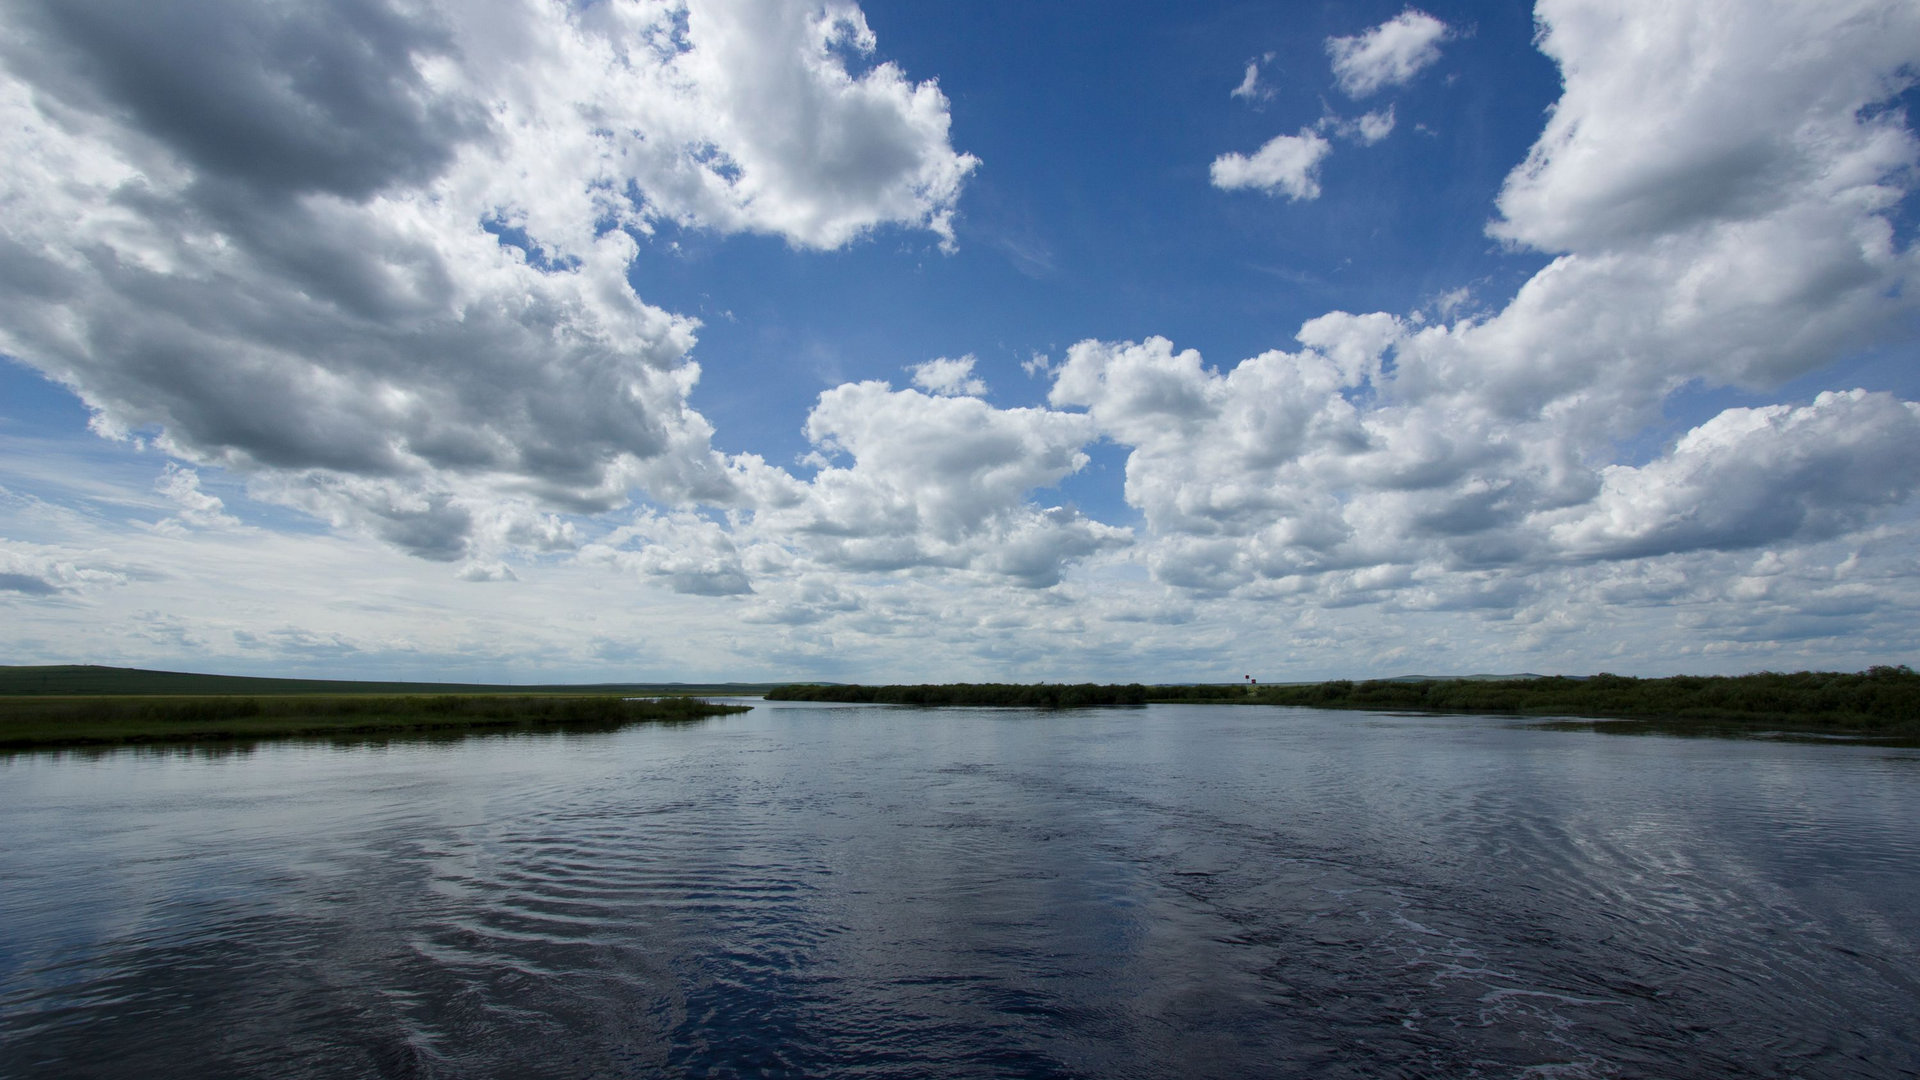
(813, 890)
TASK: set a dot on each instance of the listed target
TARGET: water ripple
(897, 893)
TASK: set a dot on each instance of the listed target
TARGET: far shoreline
(1881, 703)
(99, 722)
(91, 706)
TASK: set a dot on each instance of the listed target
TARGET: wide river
(810, 890)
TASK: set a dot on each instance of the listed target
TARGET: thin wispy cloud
(1251, 89)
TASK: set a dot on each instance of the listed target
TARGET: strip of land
(96, 680)
(1012, 695)
(1881, 703)
(97, 706)
(75, 720)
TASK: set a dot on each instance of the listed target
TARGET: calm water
(831, 891)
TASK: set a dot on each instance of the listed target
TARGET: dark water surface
(814, 890)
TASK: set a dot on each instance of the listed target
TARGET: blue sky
(1095, 125)
(758, 340)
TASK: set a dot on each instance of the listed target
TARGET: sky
(607, 340)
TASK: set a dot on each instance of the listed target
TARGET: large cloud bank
(376, 262)
(1718, 184)
(373, 255)
(1473, 463)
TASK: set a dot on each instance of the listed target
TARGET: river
(811, 890)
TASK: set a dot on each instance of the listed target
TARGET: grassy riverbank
(1882, 702)
(95, 680)
(83, 706)
(28, 722)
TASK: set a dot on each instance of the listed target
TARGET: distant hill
(71, 679)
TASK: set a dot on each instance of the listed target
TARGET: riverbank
(1009, 695)
(1879, 703)
(36, 722)
(95, 680)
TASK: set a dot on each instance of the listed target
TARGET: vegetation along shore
(90, 706)
(97, 706)
(32, 722)
(1881, 702)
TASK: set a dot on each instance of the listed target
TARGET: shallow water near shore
(811, 890)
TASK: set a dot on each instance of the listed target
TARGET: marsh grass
(93, 680)
(1879, 704)
(32, 721)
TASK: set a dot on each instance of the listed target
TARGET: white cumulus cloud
(372, 256)
(1374, 126)
(1750, 477)
(1684, 117)
(935, 482)
(409, 314)
(1287, 164)
(949, 377)
(1390, 54)
(1399, 453)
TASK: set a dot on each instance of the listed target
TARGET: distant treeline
(1883, 701)
(1033, 696)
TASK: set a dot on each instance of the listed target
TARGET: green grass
(93, 680)
(29, 722)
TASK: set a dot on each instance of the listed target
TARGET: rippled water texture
(869, 891)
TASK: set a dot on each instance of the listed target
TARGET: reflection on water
(809, 890)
